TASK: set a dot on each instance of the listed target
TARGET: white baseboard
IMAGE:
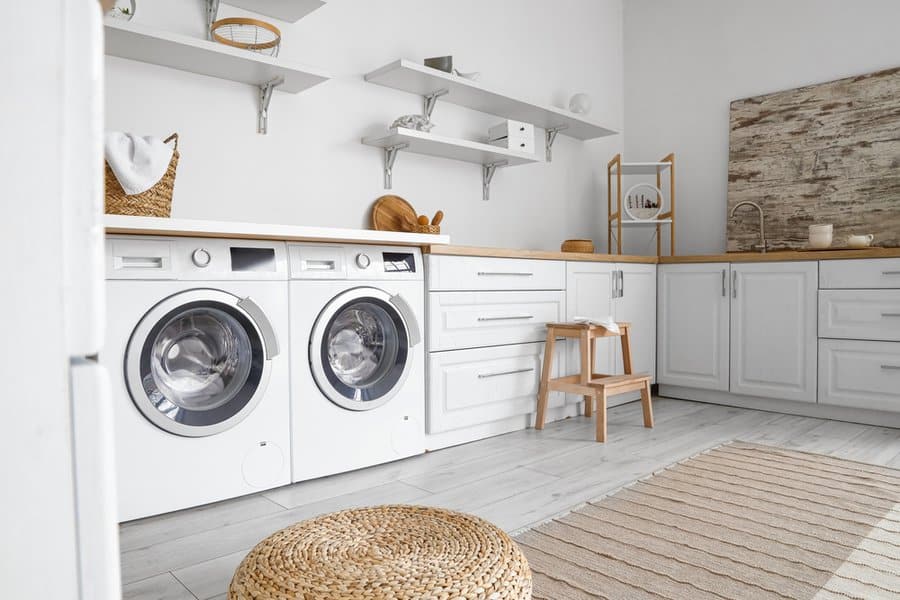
(790, 407)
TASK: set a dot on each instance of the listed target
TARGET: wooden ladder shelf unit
(616, 168)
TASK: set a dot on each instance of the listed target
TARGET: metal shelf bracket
(431, 99)
(212, 9)
(549, 138)
(390, 155)
(265, 96)
(487, 173)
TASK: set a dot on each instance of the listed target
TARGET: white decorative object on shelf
(643, 208)
(580, 104)
(124, 10)
(417, 122)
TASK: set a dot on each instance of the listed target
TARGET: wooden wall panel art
(824, 153)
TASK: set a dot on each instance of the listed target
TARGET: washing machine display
(359, 348)
(196, 363)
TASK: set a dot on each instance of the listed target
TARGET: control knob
(201, 257)
(363, 261)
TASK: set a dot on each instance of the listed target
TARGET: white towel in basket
(138, 162)
(609, 323)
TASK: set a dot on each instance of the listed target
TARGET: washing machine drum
(360, 348)
(197, 363)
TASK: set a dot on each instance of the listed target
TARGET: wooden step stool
(593, 386)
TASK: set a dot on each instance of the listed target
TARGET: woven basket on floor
(155, 202)
(385, 552)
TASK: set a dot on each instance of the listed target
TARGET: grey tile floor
(514, 480)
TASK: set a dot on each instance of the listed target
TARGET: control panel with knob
(201, 257)
(363, 261)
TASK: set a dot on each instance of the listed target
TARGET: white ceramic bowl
(820, 241)
(821, 229)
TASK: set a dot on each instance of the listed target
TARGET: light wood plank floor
(514, 480)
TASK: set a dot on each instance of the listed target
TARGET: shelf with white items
(432, 84)
(615, 170)
(176, 51)
(419, 142)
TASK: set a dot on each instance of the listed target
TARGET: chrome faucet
(762, 221)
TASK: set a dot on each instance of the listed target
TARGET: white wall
(686, 61)
(311, 167)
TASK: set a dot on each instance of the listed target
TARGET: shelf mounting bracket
(212, 9)
(265, 96)
(431, 99)
(549, 138)
(487, 173)
(390, 155)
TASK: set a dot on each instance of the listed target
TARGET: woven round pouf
(385, 552)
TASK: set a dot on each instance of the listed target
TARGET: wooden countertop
(783, 255)
(449, 250)
(733, 257)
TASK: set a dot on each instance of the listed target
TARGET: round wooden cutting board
(393, 213)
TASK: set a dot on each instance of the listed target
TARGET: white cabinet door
(636, 304)
(773, 330)
(860, 374)
(589, 294)
(693, 313)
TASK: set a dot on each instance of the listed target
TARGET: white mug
(860, 241)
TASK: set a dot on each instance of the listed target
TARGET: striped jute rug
(739, 521)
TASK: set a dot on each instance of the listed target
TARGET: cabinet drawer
(470, 387)
(860, 314)
(860, 374)
(479, 273)
(458, 320)
(870, 273)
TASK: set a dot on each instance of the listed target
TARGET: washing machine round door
(198, 362)
(360, 348)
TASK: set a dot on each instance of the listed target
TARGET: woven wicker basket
(583, 246)
(155, 202)
(435, 229)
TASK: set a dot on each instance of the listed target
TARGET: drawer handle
(890, 272)
(501, 373)
(513, 318)
(885, 315)
(891, 367)
(512, 273)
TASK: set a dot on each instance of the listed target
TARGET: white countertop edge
(124, 224)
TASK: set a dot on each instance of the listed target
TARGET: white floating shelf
(420, 142)
(286, 10)
(653, 222)
(418, 79)
(642, 168)
(195, 55)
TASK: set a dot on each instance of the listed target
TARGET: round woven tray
(385, 552)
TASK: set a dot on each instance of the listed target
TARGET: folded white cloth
(609, 323)
(138, 162)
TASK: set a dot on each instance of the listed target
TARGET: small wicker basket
(155, 202)
(435, 229)
(583, 246)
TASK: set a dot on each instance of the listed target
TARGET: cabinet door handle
(621, 284)
(510, 318)
(734, 284)
(890, 272)
(886, 315)
(891, 367)
(724, 283)
(501, 373)
(511, 273)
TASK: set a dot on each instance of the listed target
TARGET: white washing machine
(358, 396)
(197, 352)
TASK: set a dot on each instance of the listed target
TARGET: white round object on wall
(641, 208)
(580, 103)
